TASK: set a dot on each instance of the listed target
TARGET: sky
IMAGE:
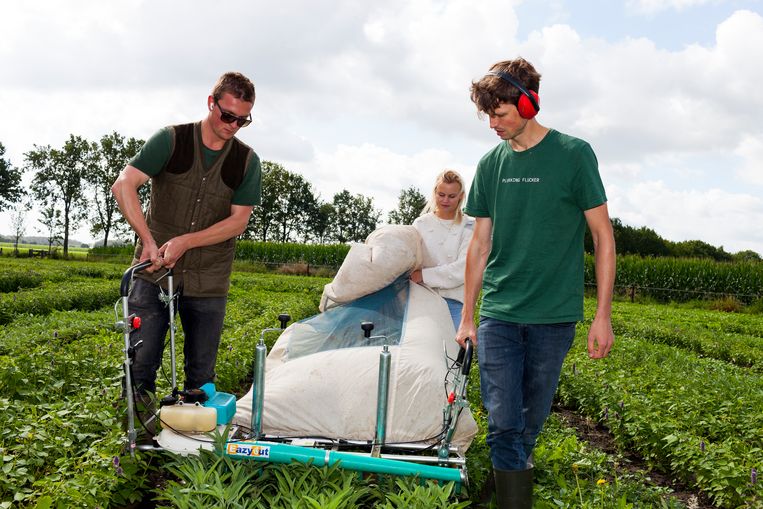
(373, 97)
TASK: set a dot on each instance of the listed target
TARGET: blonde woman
(445, 232)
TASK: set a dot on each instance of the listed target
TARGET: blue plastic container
(224, 403)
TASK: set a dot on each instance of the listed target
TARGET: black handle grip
(124, 287)
(367, 328)
(465, 357)
(461, 352)
(284, 318)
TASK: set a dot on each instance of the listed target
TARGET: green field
(681, 394)
(8, 249)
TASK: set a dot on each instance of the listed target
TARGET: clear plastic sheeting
(339, 327)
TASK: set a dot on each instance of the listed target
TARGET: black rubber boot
(514, 488)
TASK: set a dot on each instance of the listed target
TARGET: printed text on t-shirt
(518, 180)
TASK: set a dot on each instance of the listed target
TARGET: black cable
(136, 413)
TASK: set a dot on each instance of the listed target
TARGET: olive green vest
(186, 196)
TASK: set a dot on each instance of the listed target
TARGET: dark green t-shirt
(536, 199)
(158, 149)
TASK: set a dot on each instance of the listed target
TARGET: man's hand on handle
(173, 250)
(466, 330)
(151, 252)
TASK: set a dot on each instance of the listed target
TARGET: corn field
(680, 279)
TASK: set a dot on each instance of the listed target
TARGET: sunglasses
(229, 118)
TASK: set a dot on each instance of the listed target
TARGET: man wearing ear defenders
(532, 196)
(204, 184)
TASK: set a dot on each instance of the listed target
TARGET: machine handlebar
(465, 357)
(124, 287)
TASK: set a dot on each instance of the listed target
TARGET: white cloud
(376, 98)
(653, 6)
(750, 149)
(618, 172)
(379, 173)
(721, 218)
(633, 99)
(49, 118)
(416, 62)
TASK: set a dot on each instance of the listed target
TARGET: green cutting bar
(284, 453)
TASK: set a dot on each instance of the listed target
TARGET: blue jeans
(455, 308)
(202, 319)
(519, 366)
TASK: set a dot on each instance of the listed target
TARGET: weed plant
(570, 474)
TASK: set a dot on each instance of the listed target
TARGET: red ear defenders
(529, 102)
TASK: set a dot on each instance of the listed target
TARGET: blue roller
(284, 453)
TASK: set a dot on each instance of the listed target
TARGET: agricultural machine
(189, 418)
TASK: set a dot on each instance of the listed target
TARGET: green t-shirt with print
(158, 149)
(536, 199)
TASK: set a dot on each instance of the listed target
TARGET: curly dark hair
(490, 91)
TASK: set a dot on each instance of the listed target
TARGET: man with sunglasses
(204, 184)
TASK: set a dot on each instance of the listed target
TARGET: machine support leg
(258, 389)
(382, 395)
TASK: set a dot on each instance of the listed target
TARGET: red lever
(451, 397)
(136, 322)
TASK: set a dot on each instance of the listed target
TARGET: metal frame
(128, 325)
(448, 465)
(319, 452)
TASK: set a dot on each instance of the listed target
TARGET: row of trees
(292, 211)
(644, 241)
(72, 185)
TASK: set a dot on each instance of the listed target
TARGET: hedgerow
(80, 294)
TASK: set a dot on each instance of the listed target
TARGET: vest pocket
(214, 267)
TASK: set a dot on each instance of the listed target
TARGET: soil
(599, 437)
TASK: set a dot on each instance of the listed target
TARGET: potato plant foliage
(676, 380)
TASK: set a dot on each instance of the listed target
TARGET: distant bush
(267, 253)
(330, 255)
(125, 249)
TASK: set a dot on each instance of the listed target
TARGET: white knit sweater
(444, 247)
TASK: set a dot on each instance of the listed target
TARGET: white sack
(388, 252)
(332, 393)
